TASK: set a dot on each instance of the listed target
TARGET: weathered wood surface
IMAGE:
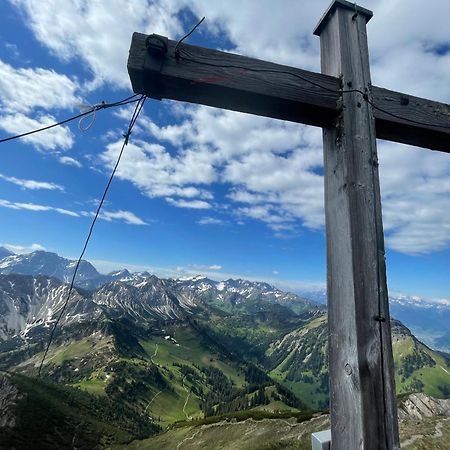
(362, 391)
(433, 132)
(229, 81)
(234, 82)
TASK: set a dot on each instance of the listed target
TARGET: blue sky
(202, 190)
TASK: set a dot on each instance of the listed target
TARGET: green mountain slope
(300, 361)
(418, 368)
(39, 414)
(171, 373)
(249, 361)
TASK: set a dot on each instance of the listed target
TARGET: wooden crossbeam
(225, 80)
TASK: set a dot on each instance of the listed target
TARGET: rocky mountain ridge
(50, 264)
(418, 406)
(27, 302)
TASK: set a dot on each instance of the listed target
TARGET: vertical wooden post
(362, 390)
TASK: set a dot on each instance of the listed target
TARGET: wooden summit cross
(352, 114)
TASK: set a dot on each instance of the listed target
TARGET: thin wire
(313, 83)
(177, 52)
(95, 108)
(445, 127)
(137, 110)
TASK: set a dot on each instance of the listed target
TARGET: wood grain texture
(272, 90)
(234, 82)
(433, 132)
(362, 391)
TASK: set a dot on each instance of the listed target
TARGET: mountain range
(155, 352)
(427, 320)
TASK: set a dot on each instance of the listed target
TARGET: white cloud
(271, 168)
(97, 34)
(202, 267)
(122, 216)
(192, 204)
(125, 216)
(57, 138)
(32, 184)
(36, 207)
(25, 94)
(159, 174)
(22, 90)
(20, 249)
(210, 221)
(272, 165)
(415, 185)
(69, 161)
(267, 30)
(12, 49)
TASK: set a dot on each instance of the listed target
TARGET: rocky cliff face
(9, 396)
(418, 406)
(27, 302)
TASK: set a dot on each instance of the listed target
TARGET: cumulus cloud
(275, 169)
(25, 94)
(415, 186)
(273, 166)
(69, 161)
(22, 90)
(32, 184)
(99, 36)
(159, 174)
(58, 138)
(270, 170)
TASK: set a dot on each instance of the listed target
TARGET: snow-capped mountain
(52, 265)
(4, 252)
(27, 302)
(239, 293)
(49, 264)
(140, 298)
(138, 295)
